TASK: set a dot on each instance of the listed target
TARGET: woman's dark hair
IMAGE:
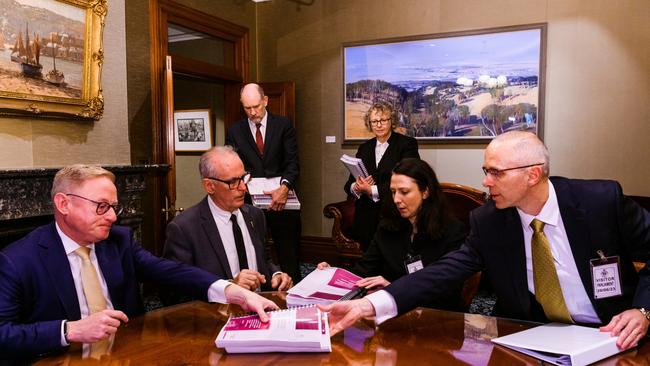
(432, 216)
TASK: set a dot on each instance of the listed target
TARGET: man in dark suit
(204, 235)
(267, 145)
(581, 221)
(77, 279)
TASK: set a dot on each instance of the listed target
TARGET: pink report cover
(322, 286)
(302, 329)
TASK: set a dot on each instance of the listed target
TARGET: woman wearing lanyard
(414, 231)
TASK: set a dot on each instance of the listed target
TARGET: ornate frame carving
(90, 104)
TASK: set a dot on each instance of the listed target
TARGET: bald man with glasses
(221, 234)
(553, 249)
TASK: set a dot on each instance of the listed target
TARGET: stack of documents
(355, 166)
(322, 286)
(302, 329)
(562, 344)
(257, 187)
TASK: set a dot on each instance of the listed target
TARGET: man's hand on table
(249, 279)
(630, 326)
(249, 301)
(345, 313)
(95, 327)
(281, 281)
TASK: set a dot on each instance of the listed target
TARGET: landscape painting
(44, 57)
(461, 87)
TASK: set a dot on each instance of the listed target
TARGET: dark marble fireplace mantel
(25, 201)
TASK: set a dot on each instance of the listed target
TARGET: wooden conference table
(184, 335)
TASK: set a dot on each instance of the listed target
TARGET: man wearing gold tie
(553, 249)
(78, 279)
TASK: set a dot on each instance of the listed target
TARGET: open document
(323, 286)
(562, 344)
(257, 187)
(355, 166)
(302, 329)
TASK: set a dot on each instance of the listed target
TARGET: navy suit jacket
(596, 216)
(193, 238)
(37, 290)
(280, 149)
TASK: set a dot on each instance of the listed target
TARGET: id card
(605, 273)
(413, 264)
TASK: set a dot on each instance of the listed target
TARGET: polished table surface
(184, 335)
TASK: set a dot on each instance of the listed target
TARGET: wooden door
(282, 101)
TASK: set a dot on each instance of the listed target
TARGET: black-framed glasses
(234, 183)
(102, 207)
(379, 122)
(498, 173)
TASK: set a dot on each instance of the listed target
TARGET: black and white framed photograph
(192, 130)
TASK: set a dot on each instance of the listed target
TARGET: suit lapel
(211, 231)
(390, 155)
(56, 263)
(515, 253)
(271, 133)
(577, 232)
(109, 261)
(371, 157)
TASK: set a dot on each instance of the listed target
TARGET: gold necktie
(547, 285)
(94, 297)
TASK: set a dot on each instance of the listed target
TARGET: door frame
(161, 13)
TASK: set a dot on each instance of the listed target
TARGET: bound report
(324, 286)
(562, 344)
(257, 187)
(302, 329)
(355, 166)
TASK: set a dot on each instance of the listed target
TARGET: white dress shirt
(253, 127)
(575, 295)
(216, 292)
(224, 225)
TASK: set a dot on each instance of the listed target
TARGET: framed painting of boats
(460, 87)
(51, 58)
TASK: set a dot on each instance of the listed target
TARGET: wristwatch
(645, 313)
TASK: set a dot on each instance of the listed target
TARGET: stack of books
(301, 329)
(324, 286)
(257, 187)
(355, 166)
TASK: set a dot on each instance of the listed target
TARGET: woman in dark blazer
(415, 230)
(379, 155)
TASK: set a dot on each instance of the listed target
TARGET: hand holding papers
(257, 187)
(355, 166)
(302, 329)
(562, 344)
(322, 286)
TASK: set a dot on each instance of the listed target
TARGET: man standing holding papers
(534, 221)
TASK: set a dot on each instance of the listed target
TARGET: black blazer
(366, 214)
(596, 215)
(193, 238)
(280, 149)
(389, 248)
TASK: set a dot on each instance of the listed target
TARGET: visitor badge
(605, 273)
(413, 263)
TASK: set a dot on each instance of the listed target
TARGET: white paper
(259, 185)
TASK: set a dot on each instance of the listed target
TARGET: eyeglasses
(102, 207)
(234, 183)
(379, 122)
(498, 173)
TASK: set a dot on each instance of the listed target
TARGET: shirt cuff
(217, 291)
(375, 193)
(384, 304)
(353, 192)
(274, 273)
(283, 181)
(64, 343)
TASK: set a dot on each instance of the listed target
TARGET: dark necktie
(239, 243)
(259, 141)
(547, 284)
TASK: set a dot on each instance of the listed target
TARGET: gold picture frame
(64, 37)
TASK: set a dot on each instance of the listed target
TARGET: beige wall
(597, 83)
(29, 142)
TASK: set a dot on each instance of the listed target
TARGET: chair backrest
(461, 200)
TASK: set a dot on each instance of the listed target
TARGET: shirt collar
(550, 212)
(220, 214)
(68, 244)
(262, 122)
